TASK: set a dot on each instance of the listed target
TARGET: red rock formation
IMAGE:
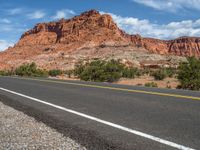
(48, 43)
(89, 26)
(185, 46)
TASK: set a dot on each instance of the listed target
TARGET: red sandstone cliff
(90, 35)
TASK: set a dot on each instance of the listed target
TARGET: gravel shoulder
(19, 131)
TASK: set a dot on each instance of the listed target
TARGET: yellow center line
(115, 88)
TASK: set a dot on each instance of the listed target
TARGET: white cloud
(37, 15)
(170, 5)
(65, 13)
(4, 45)
(6, 29)
(165, 31)
(15, 11)
(4, 20)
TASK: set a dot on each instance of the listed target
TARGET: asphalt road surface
(109, 116)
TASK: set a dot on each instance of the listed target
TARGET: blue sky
(165, 19)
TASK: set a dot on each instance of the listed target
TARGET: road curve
(109, 116)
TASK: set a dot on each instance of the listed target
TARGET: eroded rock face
(156, 46)
(89, 26)
(90, 35)
(185, 46)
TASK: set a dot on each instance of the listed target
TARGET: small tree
(113, 70)
(55, 72)
(170, 72)
(189, 74)
(79, 68)
(130, 72)
(159, 74)
(30, 70)
(69, 73)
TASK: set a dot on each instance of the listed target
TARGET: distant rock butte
(89, 26)
(91, 35)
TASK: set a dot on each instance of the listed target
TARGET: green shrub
(145, 71)
(6, 73)
(100, 71)
(151, 84)
(159, 74)
(130, 72)
(168, 87)
(30, 70)
(170, 72)
(55, 72)
(79, 68)
(2, 73)
(69, 73)
(189, 74)
(113, 70)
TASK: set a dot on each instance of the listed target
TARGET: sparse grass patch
(6, 73)
(151, 84)
(159, 74)
(55, 72)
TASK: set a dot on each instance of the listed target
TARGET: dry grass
(166, 83)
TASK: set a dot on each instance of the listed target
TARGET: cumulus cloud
(4, 45)
(170, 5)
(65, 13)
(15, 11)
(4, 20)
(38, 14)
(164, 31)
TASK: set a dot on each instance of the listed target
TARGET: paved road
(109, 116)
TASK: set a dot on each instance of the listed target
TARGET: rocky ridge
(92, 35)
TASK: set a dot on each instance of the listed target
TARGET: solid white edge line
(148, 136)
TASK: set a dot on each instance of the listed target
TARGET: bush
(55, 72)
(189, 74)
(170, 72)
(151, 84)
(79, 68)
(30, 70)
(2, 73)
(113, 70)
(6, 73)
(159, 74)
(69, 73)
(168, 86)
(130, 72)
(100, 71)
(146, 71)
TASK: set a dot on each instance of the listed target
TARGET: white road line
(148, 136)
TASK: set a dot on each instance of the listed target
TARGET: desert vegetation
(100, 71)
(187, 74)
(105, 71)
(6, 73)
(30, 70)
(151, 84)
(55, 72)
(163, 73)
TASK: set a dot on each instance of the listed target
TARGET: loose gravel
(19, 131)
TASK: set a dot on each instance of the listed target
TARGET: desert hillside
(92, 35)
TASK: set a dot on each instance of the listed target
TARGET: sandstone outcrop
(63, 43)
